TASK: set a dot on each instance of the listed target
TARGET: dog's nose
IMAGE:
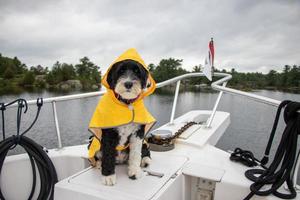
(128, 84)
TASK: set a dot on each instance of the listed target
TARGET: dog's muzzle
(128, 85)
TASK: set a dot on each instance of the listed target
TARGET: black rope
(281, 169)
(265, 159)
(37, 156)
(245, 157)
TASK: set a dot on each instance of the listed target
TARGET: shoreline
(169, 90)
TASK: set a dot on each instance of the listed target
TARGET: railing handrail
(215, 85)
(100, 93)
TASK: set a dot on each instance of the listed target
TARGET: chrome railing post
(56, 125)
(175, 102)
(211, 118)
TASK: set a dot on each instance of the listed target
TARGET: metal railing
(219, 85)
(177, 80)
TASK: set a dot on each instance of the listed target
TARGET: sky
(248, 35)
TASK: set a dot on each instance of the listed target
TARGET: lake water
(250, 126)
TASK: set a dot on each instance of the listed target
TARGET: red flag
(209, 60)
(212, 51)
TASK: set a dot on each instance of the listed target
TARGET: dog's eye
(136, 71)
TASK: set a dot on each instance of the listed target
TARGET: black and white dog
(127, 79)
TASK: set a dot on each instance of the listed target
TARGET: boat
(189, 168)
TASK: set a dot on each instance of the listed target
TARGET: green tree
(28, 78)
(168, 68)
(84, 68)
(293, 77)
(272, 78)
(9, 73)
(235, 77)
(198, 80)
(285, 75)
(20, 68)
(197, 68)
(232, 71)
(55, 75)
(151, 67)
(87, 71)
(96, 76)
(50, 78)
(6, 63)
(14, 66)
(38, 70)
(68, 72)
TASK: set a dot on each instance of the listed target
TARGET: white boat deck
(194, 157)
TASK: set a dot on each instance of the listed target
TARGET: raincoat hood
(132, 54)
(110, 112)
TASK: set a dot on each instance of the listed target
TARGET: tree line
(287, 79)
(15, 74)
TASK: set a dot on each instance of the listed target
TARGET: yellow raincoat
(110, 112)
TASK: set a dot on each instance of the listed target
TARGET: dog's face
(127, 78)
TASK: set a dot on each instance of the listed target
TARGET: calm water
(250, 121)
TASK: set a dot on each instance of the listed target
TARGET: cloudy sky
(248, 35)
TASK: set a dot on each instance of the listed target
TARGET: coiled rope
(37, 156)
(281, 169)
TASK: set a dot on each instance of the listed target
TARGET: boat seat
(87, 183)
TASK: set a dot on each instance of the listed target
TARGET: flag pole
(210, 119)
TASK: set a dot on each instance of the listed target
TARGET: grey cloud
(249, 35)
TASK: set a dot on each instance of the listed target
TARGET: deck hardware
(152, 173)
(205, 189)
(174, 175)
(166, 142)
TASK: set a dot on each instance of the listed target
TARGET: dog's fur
(127, 79)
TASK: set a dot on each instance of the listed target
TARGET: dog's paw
(145, 161)
(109, 180)
(135, 172)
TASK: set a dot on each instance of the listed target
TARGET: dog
(127, 82)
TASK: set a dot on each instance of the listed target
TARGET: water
(250, 126)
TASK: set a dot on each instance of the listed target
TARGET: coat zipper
(130, 107)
